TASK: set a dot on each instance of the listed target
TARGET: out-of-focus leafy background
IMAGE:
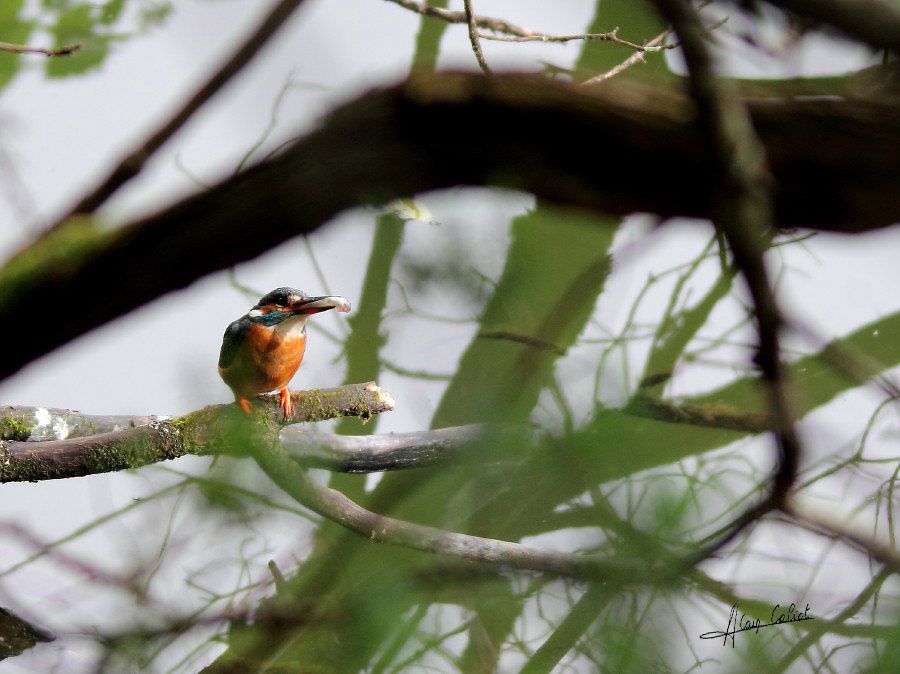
(142, 571)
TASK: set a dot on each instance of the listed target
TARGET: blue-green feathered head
(283, 303)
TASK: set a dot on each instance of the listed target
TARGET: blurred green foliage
(633, 488)
(78, 24)
(16, 30)
(96, 26)
(358, 606)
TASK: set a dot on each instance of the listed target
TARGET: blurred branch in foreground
(436, 132)
(743, 211)
(875, 22)
(132, 164)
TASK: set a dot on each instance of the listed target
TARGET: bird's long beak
(313, 305)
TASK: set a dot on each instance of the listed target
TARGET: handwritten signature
(781, 615)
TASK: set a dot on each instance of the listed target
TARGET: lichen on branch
(217, 429)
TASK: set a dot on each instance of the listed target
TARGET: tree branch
(711, 415)
(132, 164)
(212, 430)
(473, 37)
(515, 33)
(875, 22)
(395, 451)
(742, 209)
(74, 442)
(827, 526)
(333, 505)
(432, 133)
(36, 424)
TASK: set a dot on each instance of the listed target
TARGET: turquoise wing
(231, 341)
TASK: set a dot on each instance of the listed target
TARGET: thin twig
(132, 164)
(450, 16)
(473, 36)
(884, 554)
(504, 31)
(823, 627)
(611, 36)
(636, 57)
(742, 210)
(87, 570)
(23, 49)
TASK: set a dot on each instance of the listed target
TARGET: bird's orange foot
(245, 405)
(287, 405)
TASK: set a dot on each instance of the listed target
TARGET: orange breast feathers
(267, 361)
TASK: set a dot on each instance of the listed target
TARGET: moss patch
(14, 428)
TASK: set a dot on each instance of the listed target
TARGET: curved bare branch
(332, 504)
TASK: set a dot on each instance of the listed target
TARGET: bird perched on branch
(262, 349)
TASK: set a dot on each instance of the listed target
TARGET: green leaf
(77, 24)
(111, 11)
(55, 5)
(555, 270)
(616, 444)
(154, 14)
(9, 11)
(13, 30)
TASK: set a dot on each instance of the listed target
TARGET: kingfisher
(262, 349)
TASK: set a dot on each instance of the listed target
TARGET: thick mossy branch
(22, 423)
(645, 154)
(102, 453)
(216, 429)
